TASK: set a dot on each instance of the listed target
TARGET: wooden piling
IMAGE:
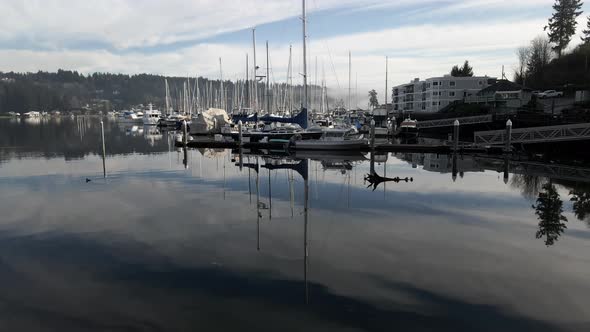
(372, 134)
(184, 133)
(240, 135)
(456, 125)
(508, 139)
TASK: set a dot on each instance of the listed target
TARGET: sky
(421, 38)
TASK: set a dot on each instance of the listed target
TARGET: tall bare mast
(315, 84)
(167, 96)
(290, 81)
(221, 97)
(386, 72)
(255, 78)
(267, 81)
(248, 82)
(349, 78)
(304, 104)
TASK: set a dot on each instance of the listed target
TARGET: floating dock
(382, 147)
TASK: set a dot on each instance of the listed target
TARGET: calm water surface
(170, 242)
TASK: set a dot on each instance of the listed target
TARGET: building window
(428, 85)
(434, 83)
(451, 93)
(452, 83)
(434, 103)
(480, 83)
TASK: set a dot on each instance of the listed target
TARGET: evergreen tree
(562, 25)
(586, 33)
(581, 206)
(549, 211)
(465, 71)
(455, 71)
(373, 102)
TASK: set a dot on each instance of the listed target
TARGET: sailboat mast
(315, 84)
(349, 78)
(198, 94)
(167, 96)
(221, 97)
(386, 72)
(248, 82)
(267, 81)
(255, 78)
(304, 104)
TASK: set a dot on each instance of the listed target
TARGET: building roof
(502, 86)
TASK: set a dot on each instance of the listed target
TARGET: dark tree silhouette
(465, 71)
(581, 206)
(562, 24)
(586, 33)
(529, 185)
(549, 211)
(540, 56)
(373, 101)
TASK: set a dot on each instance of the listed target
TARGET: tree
(562, 24)
(465, 71)
(455, 71)
(586, 33)
(539, 58)
(529, 185)
(373, 102)
(549, 211)
(581, 206)
(523, 53)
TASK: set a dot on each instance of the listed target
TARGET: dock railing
(570, 132)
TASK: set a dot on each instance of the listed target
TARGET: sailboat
(172, 119)
(335, 139)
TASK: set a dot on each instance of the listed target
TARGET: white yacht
(151, 116)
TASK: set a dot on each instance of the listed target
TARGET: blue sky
(422, 38)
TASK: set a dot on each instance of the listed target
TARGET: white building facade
(435, 93)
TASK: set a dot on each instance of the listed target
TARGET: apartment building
(435, 93)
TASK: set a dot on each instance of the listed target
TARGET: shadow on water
(206, 297)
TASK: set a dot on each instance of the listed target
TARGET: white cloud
(129, 23)
(423, 50)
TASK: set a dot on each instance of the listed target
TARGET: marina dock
(382, 147)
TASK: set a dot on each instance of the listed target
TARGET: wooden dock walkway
(570, 132)
(383, 147)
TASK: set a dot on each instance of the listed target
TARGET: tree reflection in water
(529, 185)
(581, 204)
(549, 211)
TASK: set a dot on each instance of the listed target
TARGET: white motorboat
(171, 120)
(151, 116)
(32, 114)
(130, 117)
(332, 139)
(408, 128)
